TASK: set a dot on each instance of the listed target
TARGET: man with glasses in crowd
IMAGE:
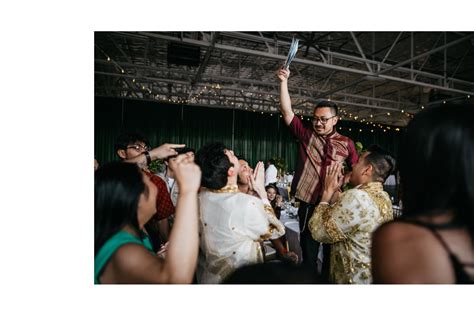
(134, 148)
(320, 146)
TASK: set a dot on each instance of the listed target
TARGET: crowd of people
(208, 217)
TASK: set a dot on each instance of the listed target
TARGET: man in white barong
(232, 224)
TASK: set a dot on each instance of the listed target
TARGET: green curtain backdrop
(253, 135)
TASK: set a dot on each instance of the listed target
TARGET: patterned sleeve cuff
(332, 230)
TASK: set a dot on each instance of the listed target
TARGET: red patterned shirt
(164, 205)
(315, 154)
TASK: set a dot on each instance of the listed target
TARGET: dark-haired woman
(276, 201)
(433, 241)
(280, 244)
(125, 199)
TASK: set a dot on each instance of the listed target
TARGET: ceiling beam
(380, 73)
(361, 51)
(257, 83)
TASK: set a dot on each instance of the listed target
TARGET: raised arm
(285, 101)
(133, 263)
(161, 152)
(182, 253)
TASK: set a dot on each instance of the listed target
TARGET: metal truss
(237, 70)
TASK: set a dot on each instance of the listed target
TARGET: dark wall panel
(253, 135)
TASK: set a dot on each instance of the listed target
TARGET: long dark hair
(436, 161)
(118, 187)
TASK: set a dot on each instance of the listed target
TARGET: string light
(208, 89)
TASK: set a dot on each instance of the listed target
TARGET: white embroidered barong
(232, 224)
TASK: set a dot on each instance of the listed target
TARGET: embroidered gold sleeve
(275, 227)
(323, 227)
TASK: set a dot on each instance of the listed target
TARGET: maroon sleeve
(353, 156)
(297, 128)
(164, 205)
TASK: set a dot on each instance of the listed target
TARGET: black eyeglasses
(138, 147)
(323, 120)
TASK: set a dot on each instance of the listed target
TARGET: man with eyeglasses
(320, 146)
(133, 148)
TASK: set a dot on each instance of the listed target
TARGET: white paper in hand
(291, 53)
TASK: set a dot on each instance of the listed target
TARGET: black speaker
(183, 54)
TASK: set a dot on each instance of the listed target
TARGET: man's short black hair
(328, 104)
(129, 138)
(382, 162)
(214, 165)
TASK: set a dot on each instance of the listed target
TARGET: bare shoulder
(394, 231)
(405, 237)
(131, 254)
(407, 253)
(134, 263)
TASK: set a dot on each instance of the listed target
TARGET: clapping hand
(332, 182)
(334, 178)
(257, 180)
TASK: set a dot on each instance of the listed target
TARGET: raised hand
(257, 180)
(165, 151)
(283, 74)
(334, 178)
(186, 173)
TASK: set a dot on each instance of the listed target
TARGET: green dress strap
(111, 246)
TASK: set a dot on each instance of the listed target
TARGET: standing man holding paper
(320, 146)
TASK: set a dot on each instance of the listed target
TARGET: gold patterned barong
(348, 226)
